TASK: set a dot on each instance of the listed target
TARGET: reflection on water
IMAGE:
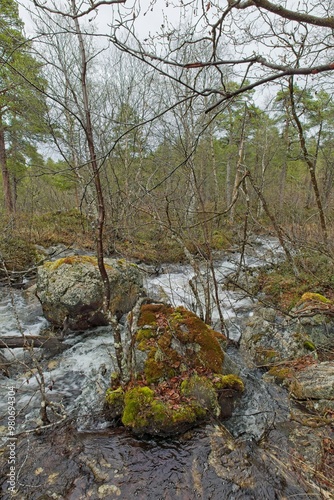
(204, 464)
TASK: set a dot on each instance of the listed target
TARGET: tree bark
(96, 173)
(8, 197)
(311, 163)
(30, 341)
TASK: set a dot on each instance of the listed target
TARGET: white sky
(149, 21)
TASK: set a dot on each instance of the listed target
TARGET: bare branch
(300, 17)
(71, 15)
(289, 72)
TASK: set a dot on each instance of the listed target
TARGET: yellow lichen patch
(39, 471)
(53, 477)
(105, 490)
(72, 260)
(281, 373)
(316, 297)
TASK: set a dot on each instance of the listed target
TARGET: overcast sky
(150, 20)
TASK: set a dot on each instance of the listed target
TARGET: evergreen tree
(21, 105)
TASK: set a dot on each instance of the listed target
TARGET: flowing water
(81, 457)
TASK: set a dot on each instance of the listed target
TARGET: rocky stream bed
(277, 444)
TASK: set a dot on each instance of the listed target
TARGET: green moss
(317, 297)
(114, 403)
(202, 391)
(228, 382)
(154, 369)
(309, 345)
(137, 404)
(115, 396)
(281, 373)
(145, 333)
(72, 260)
(188, 413)
(17, 254)
(143, 412)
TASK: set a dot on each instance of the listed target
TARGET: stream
(81, 456)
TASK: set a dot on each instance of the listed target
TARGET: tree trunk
(94, 165)
(239, 168)
(8, 197)
(311, 163)
(283, 174)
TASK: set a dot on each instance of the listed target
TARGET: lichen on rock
(72, 288)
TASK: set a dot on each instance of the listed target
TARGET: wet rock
(178, 374)
(71, 288)
(271, 337)
(314, 382)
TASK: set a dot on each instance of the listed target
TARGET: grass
(316, 275)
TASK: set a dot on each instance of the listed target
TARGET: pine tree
(22, 106)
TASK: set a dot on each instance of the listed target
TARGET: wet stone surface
(267, 450)
(205, 463)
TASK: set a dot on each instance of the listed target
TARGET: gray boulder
(71, 289)
(270, 337)
(315, 382)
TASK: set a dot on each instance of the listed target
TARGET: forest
(166, 257)
(156, 140)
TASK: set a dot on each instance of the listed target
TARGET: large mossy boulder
(179, 374)
(72, 288)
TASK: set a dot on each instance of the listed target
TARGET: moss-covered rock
(72, 288)
(178, 379)
(283, 338)
(114, 403)
(146, 413)
(202, 390)
(174, 341)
